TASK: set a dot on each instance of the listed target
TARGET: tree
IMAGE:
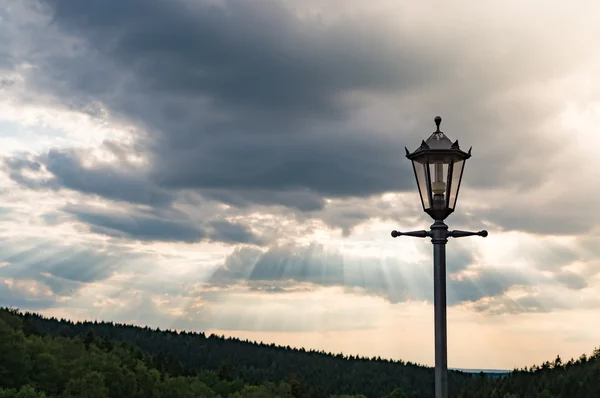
(28, 391)
(90, 385)
(30, 328)
(45, 372)
(544, 394)
(253, 392)
(558, 362)
(148, 381)
(224, 371)
(296, 387)
(89, 339)
(14, 365)
(397, 393)
(120, 381)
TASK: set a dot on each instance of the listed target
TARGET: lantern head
(438, 165)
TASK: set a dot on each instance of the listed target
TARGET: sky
(236, 167)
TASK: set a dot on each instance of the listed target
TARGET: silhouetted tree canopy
(43, 357)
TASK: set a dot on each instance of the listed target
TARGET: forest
(48, 357)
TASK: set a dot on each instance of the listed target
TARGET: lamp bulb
(438, 187)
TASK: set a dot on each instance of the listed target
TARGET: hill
(226, 366)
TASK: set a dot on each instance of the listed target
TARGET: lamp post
(438, 165)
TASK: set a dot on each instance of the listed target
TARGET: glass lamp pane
(457, 171)
(422, 183)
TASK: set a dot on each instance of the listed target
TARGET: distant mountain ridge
(500, 371)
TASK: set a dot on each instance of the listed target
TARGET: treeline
(59, 357)
(557, 379)
(315, 373)
(35, 365)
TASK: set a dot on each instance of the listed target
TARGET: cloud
(562, 215)
(136, 226)
(280, 269)
(488, 282)
(25, 294)
(346, 214)
(266, 103)
(536, 300)
(239, 309)
(164, 226)
(225, 231)
(110, 182)
(62, 268)
(550, 255)
(302, 200)
(470, 280)
(572, 280)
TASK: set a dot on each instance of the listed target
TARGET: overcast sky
(237, 166)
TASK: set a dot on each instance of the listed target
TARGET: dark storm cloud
(231, 96)
(258, 56)
(139, 227)
(67, 172)
(165, 226)
(249, 102)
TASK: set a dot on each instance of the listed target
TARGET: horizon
(238, 167)
(208, 334)
(256, 342)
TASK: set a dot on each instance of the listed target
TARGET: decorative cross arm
(449, 234)
(460, 234)
(415, 234)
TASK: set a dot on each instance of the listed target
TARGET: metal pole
(439, 238)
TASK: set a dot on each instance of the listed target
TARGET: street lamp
(438, 165)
